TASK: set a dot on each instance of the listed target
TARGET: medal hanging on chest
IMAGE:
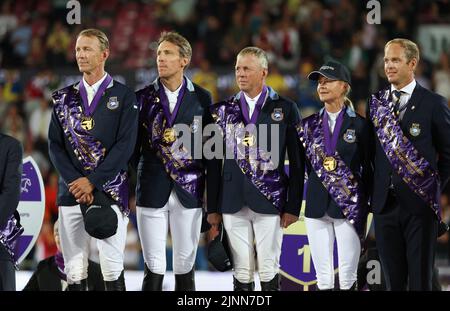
(330, 139)
(87, 121)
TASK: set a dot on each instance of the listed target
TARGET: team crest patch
(113, 103)
(350, 136)
(277, 114)
(195, 125)
(414, 130)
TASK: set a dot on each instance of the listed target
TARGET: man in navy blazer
(92, 135)
(170, 178)
(406, 226)
(256, 202)
(10, 178)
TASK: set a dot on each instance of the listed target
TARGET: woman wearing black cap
(339, 174)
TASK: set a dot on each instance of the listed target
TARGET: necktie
(398, 107)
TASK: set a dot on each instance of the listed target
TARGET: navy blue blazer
(429, 112)
(235, 190)
(355, 154)
(154, 185)
(115, 128)
(10, 179)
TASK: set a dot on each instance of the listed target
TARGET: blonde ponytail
(347, 101)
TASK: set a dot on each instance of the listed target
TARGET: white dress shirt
(172, 96)
(91, 90)
(252, 103)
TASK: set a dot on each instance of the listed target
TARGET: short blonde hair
(100, 35)
(259, 53)
(411, 49)
(183, 44)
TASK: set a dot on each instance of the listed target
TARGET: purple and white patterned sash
(185, 171)
(405, 159)
(9, 236)
(89, 151)
(269, 182)
(340, 183)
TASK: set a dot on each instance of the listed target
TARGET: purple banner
(28, 192)
(269, 182)
(89, 151)
(185, 171)
(405, 159)
(340, 182)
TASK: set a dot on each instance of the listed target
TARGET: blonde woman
(339, 175)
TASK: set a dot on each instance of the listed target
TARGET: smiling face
(89, 55)
(399, 71)
(169, 60)
(250, 75)
(330, 90)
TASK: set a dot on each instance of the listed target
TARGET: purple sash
(185, 171)
(405, 159)
(89, 151)
(9, 235)
(270, 183)
(340, 183)
(59, 261)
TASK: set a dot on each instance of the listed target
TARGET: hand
(214, 220)
(80, 187)
(287, 220)
(87, 199)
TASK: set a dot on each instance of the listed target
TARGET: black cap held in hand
(100, 219)
(219, 254)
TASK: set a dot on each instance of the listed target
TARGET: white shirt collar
(174, 92)
(333, 115)
(252, 100)
(96, 85)
(408, 89)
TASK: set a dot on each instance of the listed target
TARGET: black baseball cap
(100, 219)
(219, 253)
(332, 70)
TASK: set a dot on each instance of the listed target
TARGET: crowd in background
(298, 35)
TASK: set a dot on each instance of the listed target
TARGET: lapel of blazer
(414, 101)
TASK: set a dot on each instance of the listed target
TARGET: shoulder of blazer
(9, 141)
(121, 87)
(309, 118)
(433, 98)
(144, 91)
(204, 96)
(287, 103)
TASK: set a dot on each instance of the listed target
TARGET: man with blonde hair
(411, 158)
(91, 139)
(170, 183)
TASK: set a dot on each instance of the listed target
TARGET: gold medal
(87, 123)
(249, 140)
(169, 135)
(329, 164)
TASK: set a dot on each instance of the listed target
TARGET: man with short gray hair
(256, 198)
